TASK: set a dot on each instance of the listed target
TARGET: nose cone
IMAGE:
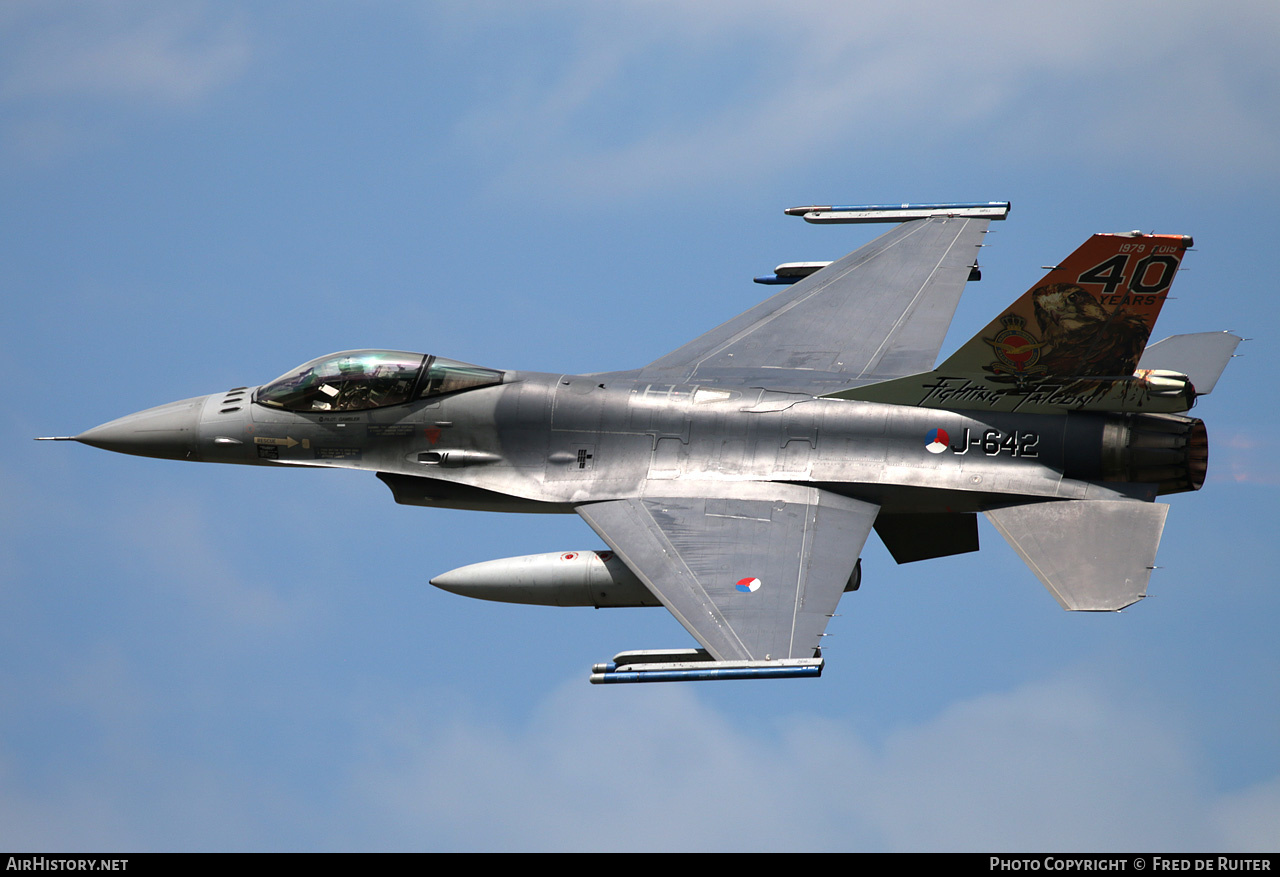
(167, 431)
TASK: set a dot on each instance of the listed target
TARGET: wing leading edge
(753, 579)
(880, 312)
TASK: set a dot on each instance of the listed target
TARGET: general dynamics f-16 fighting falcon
(736, 479)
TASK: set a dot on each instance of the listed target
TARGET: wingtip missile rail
(695, 665)
(831, 214)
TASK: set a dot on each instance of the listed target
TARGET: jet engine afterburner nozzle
(1167, 450)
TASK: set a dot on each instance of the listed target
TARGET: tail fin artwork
(1071, 342)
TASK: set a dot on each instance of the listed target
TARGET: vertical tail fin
(1091, 316)
(1071, 342)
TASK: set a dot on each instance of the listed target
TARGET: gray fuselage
(542, 442)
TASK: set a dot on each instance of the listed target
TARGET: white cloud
(1244, 458)
(1185, 90)
(1059, 765)
(154, 52)
(1250, 819)
(1055, 766)
(61, 63)
(171, 532)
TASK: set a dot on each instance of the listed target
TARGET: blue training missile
(850, 213)
(696, 665)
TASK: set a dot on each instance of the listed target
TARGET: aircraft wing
(880, 312)
(753, 578)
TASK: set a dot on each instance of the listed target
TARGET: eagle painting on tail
(1081, 339)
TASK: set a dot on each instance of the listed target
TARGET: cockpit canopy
(356, 380)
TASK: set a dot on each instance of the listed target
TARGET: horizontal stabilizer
(1094, 556)
(1201, 356)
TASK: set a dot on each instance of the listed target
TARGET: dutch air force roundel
(748, 584)
(936, 441)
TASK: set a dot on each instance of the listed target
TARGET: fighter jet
(735, 480)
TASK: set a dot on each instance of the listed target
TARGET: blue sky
(199, 196)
